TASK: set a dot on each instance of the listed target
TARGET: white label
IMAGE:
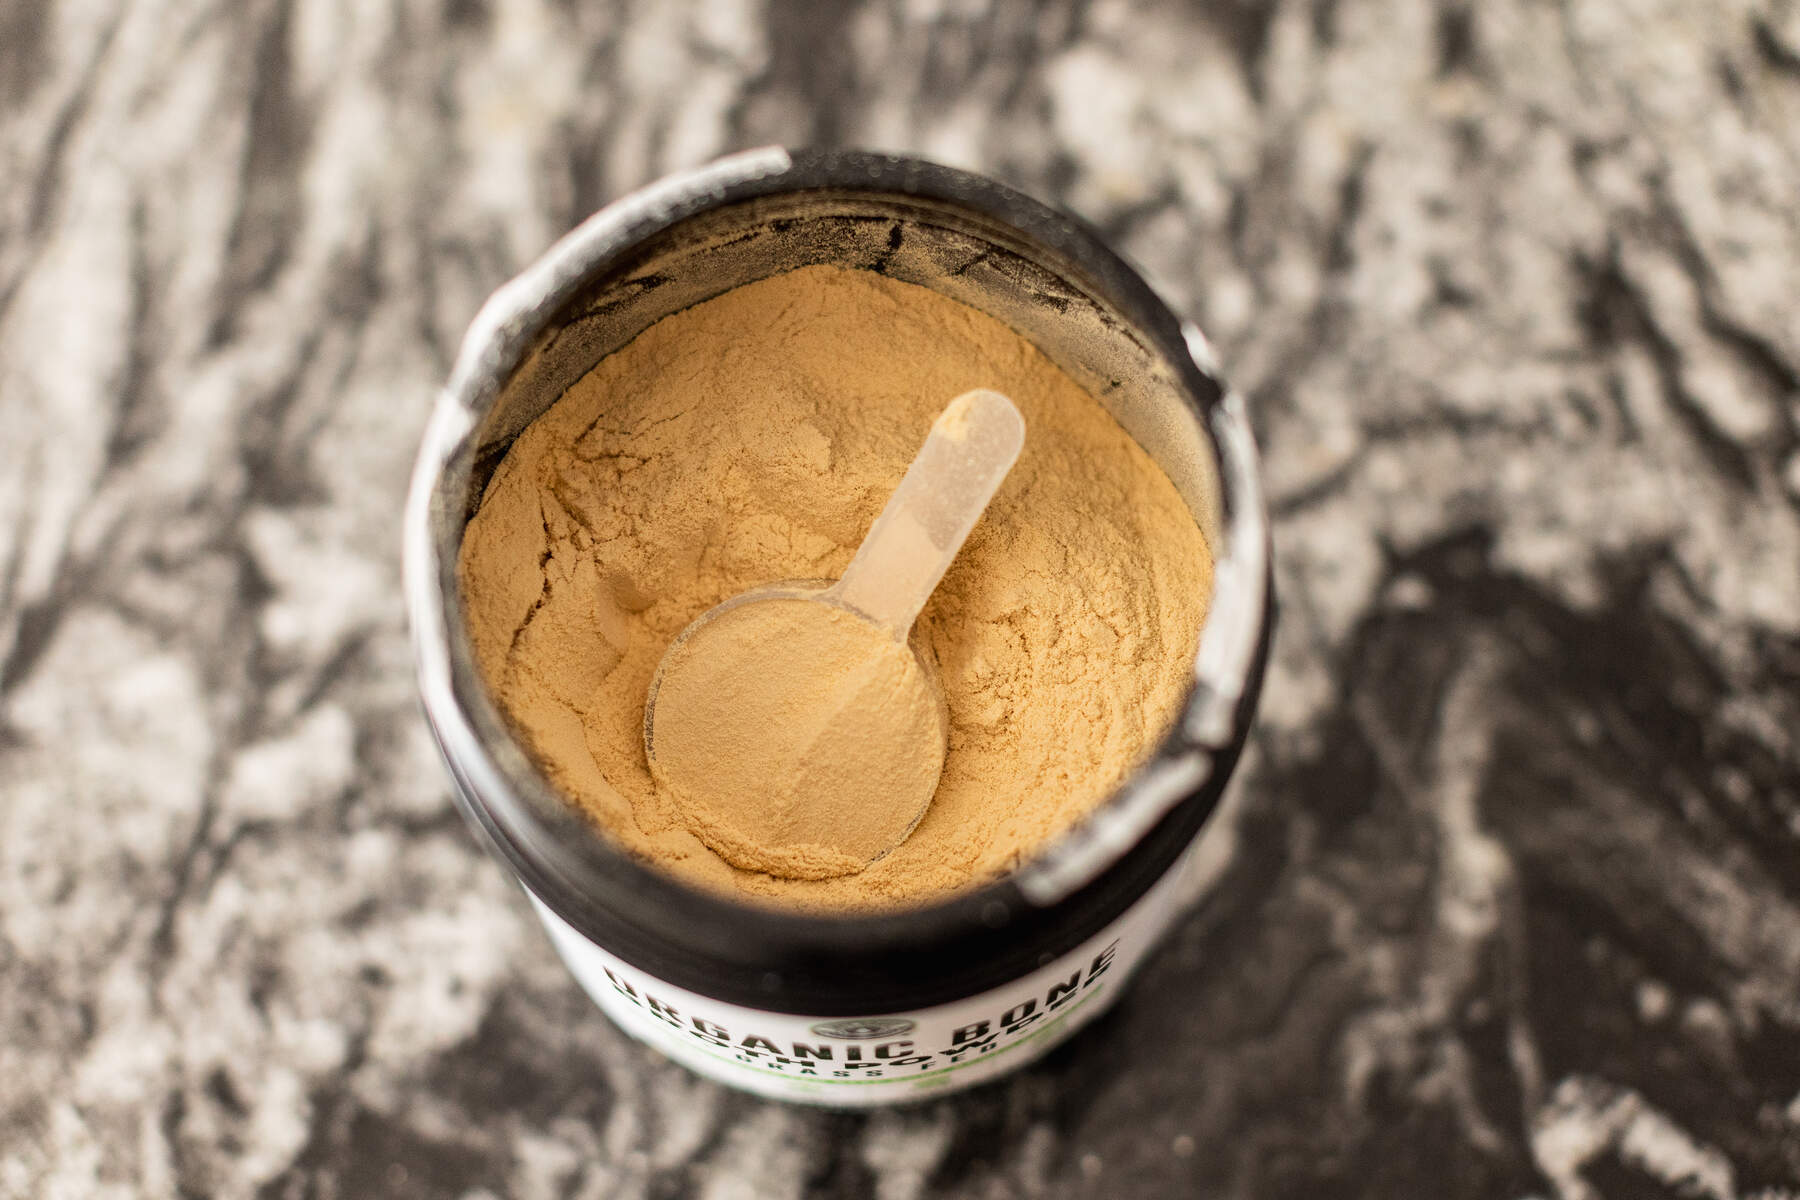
(885, 1057)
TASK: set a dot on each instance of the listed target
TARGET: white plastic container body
(884, 1058)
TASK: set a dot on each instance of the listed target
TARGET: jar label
(883, 1058)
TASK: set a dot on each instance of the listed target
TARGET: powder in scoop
(796, 738)
(753, 438)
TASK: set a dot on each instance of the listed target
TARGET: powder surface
(753, 438)
(796, 738)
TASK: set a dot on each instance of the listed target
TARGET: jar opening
(743, 219)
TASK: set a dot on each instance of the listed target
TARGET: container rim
(850, 963)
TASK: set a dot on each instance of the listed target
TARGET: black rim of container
(736, 952)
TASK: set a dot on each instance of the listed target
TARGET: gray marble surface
(1514, 908)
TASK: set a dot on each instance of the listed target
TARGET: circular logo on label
(863, 1028)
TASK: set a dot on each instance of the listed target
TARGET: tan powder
(753, 438)
(796, 738)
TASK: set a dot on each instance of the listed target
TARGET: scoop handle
(972, 445)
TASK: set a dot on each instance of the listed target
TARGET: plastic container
(847, 1010)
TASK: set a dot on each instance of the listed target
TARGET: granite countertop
(1507, 902)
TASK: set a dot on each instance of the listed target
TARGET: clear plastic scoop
(971, 447)
(800, 745)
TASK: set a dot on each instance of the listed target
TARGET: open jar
(851, 1009)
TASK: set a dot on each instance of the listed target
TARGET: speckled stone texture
(1508, 902)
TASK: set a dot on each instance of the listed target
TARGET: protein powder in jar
(847, 1008)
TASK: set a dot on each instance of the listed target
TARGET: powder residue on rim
(753, 438)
